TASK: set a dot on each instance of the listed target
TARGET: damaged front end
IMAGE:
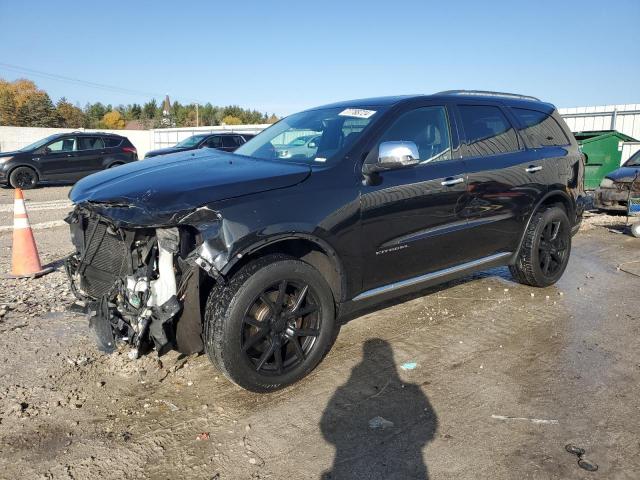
(613, 195)
(138, 285)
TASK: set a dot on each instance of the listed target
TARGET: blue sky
(283, 56)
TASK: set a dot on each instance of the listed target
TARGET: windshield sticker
(357, 113)
(320, 159)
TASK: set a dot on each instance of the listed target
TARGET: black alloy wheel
(281, 327)
(24, 178)
(271, 323)
(545, 249)
(553, 247)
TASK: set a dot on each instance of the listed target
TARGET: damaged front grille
(104, 259)
(132, 282)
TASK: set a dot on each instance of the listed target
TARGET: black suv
(257, 258)
(227, 142)
(64, 157)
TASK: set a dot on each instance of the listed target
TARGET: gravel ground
(482, 378)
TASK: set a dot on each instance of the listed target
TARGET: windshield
(190, 141)
(298, 142)
(634, 161)
(39, 143)
(334, 130)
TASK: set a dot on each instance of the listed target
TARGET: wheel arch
(12, 168)
(551, 198)
(306, 247)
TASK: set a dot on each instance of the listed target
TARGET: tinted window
(428, 128)
(231, 141)
(214, 142)
(487, 130)
(540, 129)
(112, 141)
(90, 143)
(67, 144)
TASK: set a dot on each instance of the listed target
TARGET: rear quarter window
(487, 131)
(112, 141)
(540, 129)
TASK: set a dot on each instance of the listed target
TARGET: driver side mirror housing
(393, 155)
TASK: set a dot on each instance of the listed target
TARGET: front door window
(67, 144)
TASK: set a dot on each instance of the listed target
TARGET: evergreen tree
(38, 111)
(7, 106)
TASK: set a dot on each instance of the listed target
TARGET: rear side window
(214, 142)
(90, 143)
(112, 141)
(487, 130)
(231, 141)
(540, 129)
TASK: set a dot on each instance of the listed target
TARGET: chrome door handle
(453, 181)
(533, 169)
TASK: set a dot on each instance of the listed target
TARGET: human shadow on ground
(378, 424)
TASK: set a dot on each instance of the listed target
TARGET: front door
(56, 160)
(411, 221)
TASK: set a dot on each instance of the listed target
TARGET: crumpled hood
(624, 174)
(160, 191)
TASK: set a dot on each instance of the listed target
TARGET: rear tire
(24, 178)
(545, 250)
(271, 324)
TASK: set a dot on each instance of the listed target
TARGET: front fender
(225, 242)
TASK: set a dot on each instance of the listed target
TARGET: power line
(76, 81)
(84, 83)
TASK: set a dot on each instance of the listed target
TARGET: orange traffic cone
(25, 261)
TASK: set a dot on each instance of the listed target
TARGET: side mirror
(393, 155)
(46, 150)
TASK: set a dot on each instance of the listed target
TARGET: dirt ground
(482, 378)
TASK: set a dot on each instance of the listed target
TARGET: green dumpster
(603, 154)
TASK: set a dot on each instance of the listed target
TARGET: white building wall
(168, 137)
(628, 149)
(623, 118)
(14, 138)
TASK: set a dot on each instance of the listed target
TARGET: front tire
(545, 250)
(24, 178)
(271, 324)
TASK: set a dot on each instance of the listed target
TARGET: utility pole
(197, 116)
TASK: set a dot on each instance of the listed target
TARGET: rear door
(502, 182)
(214, 142)
(230, 142)
(91, 151)
(411, 222)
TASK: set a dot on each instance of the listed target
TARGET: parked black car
(618, 186)
(64, 157)
(257, 259)
(225, 141)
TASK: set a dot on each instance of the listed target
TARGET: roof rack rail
(487, 93)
